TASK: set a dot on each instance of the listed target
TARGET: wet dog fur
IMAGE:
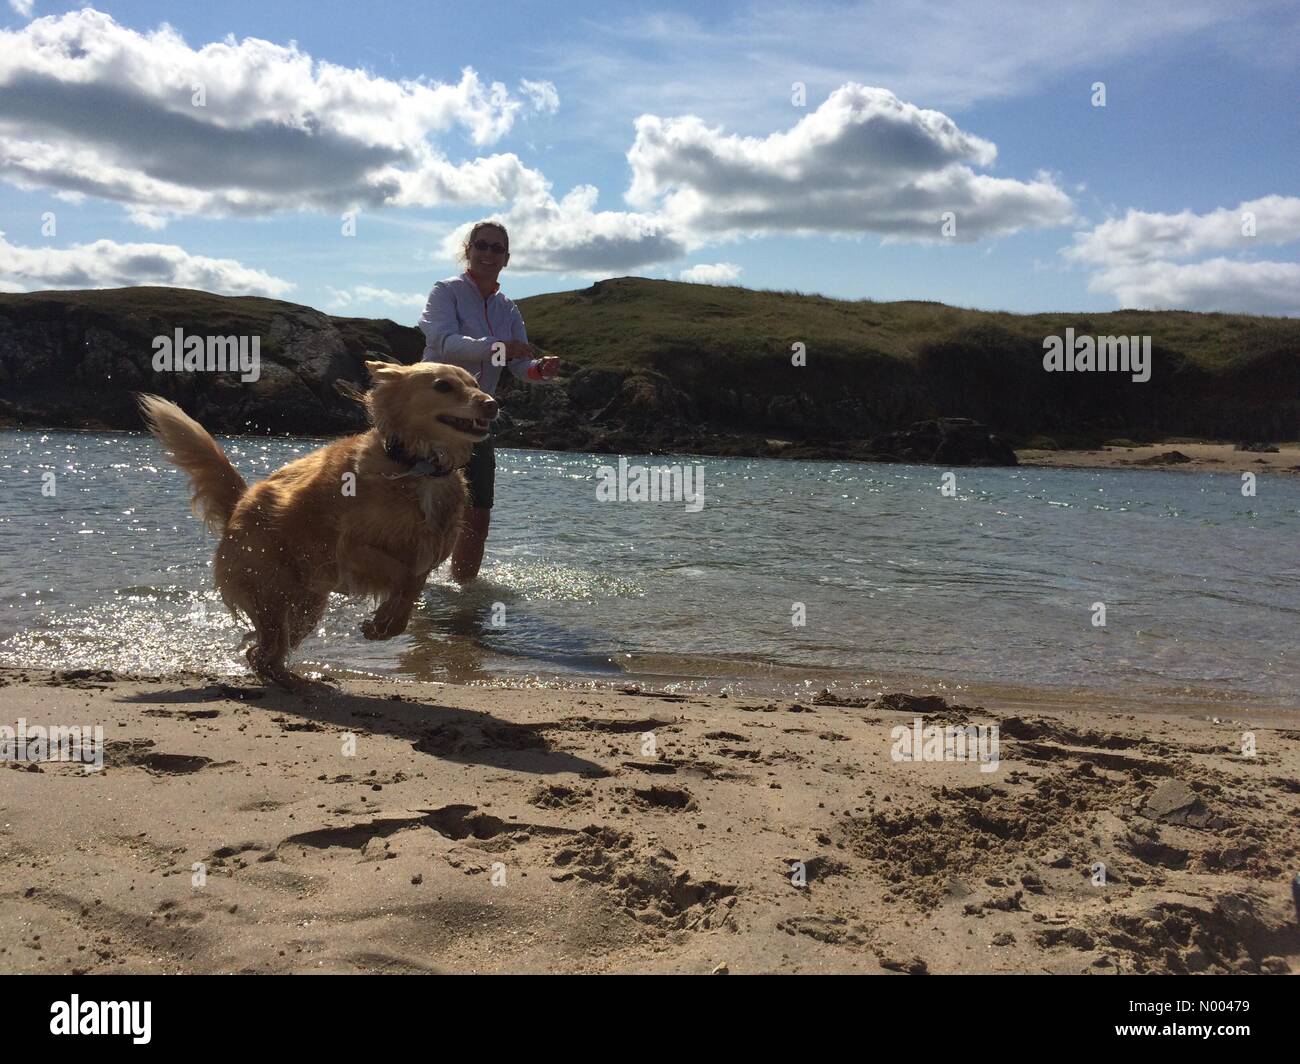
(342, 518)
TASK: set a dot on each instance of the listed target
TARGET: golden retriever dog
(371, 514)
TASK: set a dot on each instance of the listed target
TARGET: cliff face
(657, 366)
(711, 369)
(71, 359)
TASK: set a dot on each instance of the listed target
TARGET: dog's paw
(373, 629)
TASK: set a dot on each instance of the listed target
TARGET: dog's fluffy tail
(216, 484)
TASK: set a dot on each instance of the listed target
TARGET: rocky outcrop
(648, 415)
(637, 378)
(945, 441)
(69, 362)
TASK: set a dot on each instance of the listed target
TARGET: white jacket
(460, 327)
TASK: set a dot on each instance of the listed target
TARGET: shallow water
(995, 585)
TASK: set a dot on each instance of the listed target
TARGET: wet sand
(1219, 457)
(490, 829)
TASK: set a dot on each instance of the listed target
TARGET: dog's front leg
(390, 618)
(394, 612)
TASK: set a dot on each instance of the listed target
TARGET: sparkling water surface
(995, 585)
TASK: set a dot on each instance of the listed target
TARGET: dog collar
(416, 467)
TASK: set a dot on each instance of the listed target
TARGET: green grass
(140, 313)
(721, 357)
(628, 322)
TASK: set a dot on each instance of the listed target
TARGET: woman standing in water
(465, 320)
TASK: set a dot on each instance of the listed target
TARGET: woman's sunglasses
(496, 249)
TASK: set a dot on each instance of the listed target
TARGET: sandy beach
(1219, 457)
(401, 827)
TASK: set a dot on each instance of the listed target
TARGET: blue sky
(676, 124)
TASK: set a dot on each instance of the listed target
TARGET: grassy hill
(621, 323)
(665, 364)
(873, 366)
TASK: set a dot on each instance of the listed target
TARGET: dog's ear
(383, 371)
(349, 391)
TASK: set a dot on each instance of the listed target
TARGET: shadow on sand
(462, 736)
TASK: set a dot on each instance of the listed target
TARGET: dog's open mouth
(476, 426)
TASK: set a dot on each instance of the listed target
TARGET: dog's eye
(442, 385)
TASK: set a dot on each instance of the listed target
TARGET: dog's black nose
(489, 408)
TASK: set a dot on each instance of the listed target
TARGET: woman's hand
(518, 349)
(544, 369)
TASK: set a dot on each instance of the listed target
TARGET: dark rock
(592, 388)
(1167, 458)
(945, 441)
(1176, 803)
(905, 703)
(1170, 797)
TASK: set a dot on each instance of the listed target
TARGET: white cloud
(1227, 285)
(493, 179)
(712, 273)
(1138, 258)
(108, 264)
(542, 94)
(1142, 236)
(146, 218)
(571, 236)
(862, 162)
(368, 295)
(92, 108)
(22, 7)
(89, 106)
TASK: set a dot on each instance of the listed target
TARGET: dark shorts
(481, 474)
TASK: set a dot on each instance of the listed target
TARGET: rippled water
(995, 585)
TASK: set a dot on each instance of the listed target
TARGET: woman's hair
(473, 235)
